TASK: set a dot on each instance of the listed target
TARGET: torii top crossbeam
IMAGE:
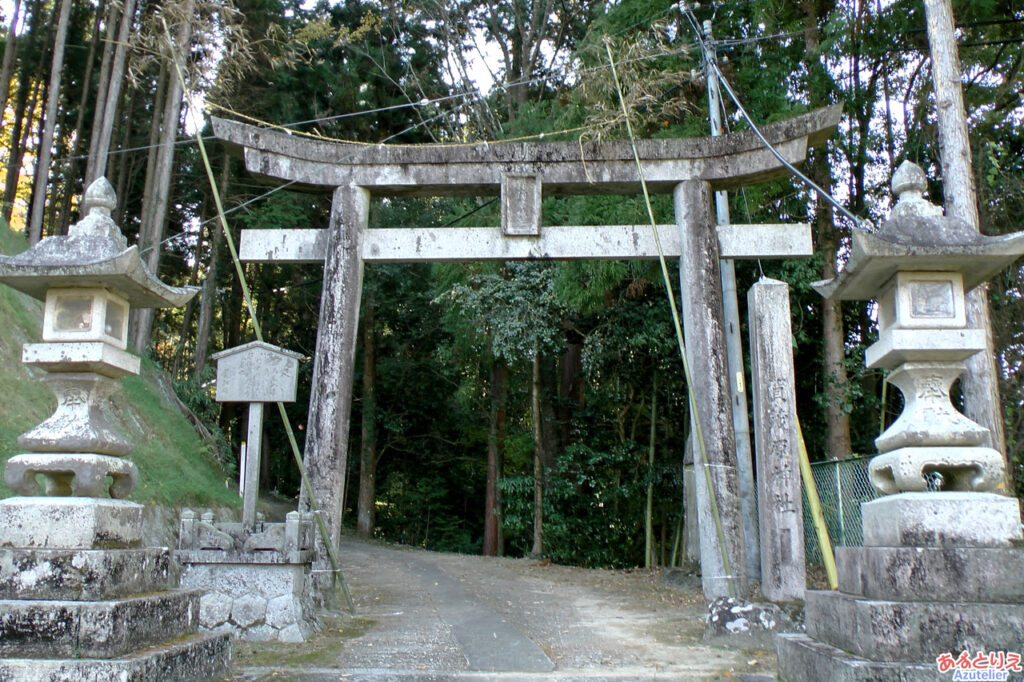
(563, 167)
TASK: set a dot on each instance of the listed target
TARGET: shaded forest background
(482, 385)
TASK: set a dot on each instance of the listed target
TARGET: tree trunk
(31, 120)
(495, 457)
(980, 382)
(837, 419)
(24, 109)
(7, 63)
(209, 292)
(45, 150)
(99, 148)
(110, 25)
(570, 385)
(207, 296)
(190, 307)
(538, 460)
(649, 559)
(125, 160)
(73, 179)
(152, 145)
(366, 511)
(151, 233)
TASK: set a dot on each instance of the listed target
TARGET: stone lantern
(941, 572)
(936, 469)
(80, 597)
(88, 280)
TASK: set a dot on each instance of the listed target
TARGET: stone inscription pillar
(704, 333)
(780, 508)
(326, 449)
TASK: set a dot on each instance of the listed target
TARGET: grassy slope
(175, 466)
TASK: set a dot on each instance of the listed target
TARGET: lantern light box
(81, 314)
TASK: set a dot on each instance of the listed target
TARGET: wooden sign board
(256, 372)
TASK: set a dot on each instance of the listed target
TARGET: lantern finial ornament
(100, 197)
(910, 180)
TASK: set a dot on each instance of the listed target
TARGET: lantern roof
(918, 237)
(94, 253)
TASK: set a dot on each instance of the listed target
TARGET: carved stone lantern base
(66, 474)
(954, 469)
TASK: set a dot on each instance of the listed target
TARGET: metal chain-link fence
(842, 486)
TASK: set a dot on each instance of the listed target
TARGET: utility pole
(980, 382)
(733, 342)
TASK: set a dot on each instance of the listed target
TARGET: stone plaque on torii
(522, 173)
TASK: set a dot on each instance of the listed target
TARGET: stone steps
(803, 659)
(81, 574)
(197, 657)
(898, 608)
(87, 614)
(932, 574)
(911, 631)
(627, 674)
(95, 629)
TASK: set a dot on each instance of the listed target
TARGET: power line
(711, 63)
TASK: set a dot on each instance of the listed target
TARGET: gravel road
(435, 617)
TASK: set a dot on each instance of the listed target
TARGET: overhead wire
(700, 41)
(186, 234)
(504, 85)
(712, 63)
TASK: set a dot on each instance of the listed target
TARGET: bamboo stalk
(338, 578)
(678, 325)
(817, 517)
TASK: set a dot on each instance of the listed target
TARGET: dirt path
(431, 616)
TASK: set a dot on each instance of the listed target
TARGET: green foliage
(176, 467)
(593, 505)
(516, 309)
(419, 512)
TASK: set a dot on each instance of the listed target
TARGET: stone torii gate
(523, 172)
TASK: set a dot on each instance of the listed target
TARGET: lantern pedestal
(69, 523)
(946, 519)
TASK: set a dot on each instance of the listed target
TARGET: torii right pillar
(938, 588)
